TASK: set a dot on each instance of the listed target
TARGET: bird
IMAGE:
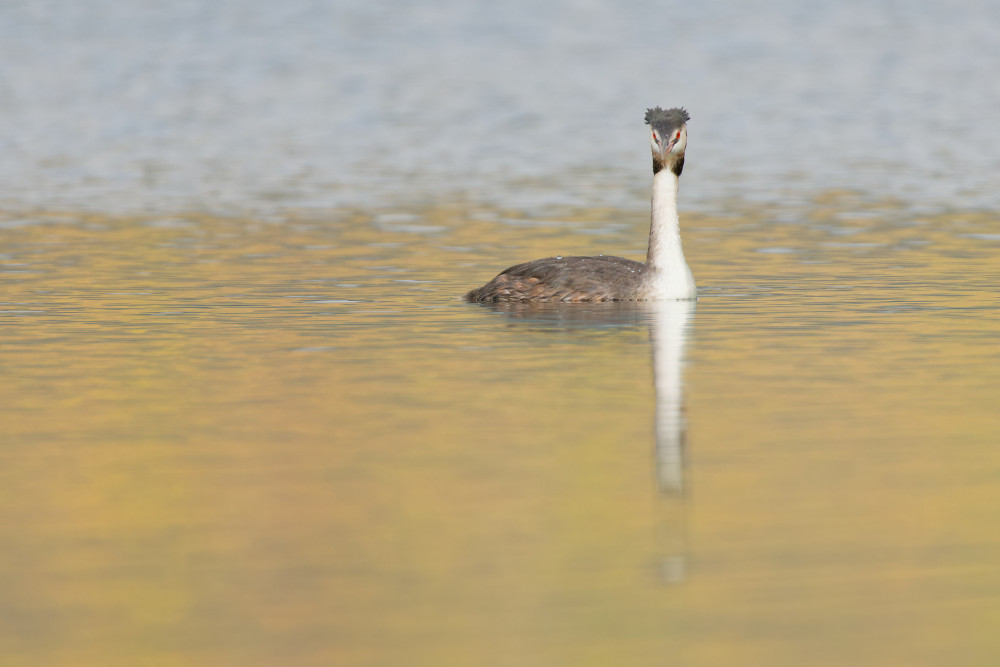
(664, 276)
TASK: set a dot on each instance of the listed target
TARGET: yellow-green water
(233, 441)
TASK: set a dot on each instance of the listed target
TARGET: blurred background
(246, 418)
(142, 106)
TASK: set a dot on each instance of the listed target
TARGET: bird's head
(667, 137)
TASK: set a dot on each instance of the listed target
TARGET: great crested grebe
(663, 276)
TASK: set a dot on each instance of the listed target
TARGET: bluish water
(254, 105)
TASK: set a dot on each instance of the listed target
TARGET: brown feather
(572, 279)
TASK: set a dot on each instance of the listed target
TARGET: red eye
(678, 136)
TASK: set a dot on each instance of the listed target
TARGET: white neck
(670, 276)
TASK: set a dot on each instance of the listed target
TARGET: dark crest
(666, 120)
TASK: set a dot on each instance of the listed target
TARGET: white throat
(669, 276)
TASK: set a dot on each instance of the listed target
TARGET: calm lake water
(245, 418)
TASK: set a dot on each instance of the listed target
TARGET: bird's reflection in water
(669, 325)
(668, 332)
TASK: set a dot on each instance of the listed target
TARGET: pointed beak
(667, 147)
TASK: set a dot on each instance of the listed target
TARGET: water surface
(253, 106)
(235, 441)
(245, 418)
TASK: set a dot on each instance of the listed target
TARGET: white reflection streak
(669, 330)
